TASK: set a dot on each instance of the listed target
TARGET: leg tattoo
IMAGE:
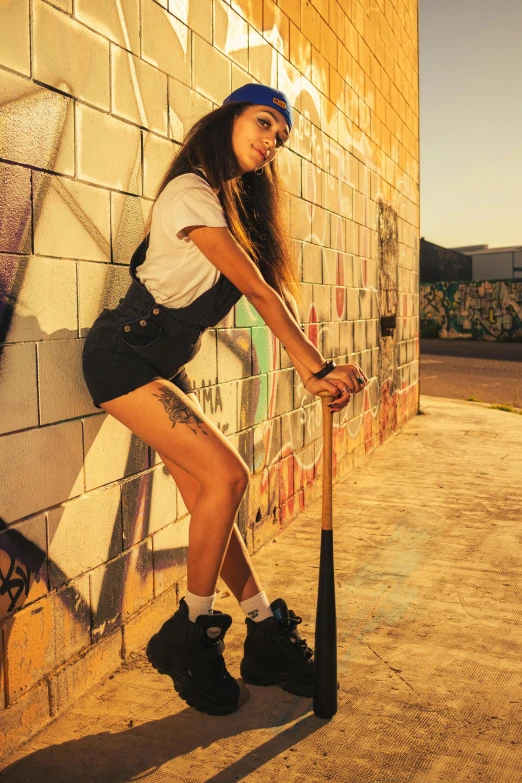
(178, 412)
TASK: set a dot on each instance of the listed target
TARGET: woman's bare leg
(174, 426)
(237, 570)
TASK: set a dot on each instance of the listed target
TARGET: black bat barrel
(325, 697)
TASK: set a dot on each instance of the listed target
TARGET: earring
(259, 171)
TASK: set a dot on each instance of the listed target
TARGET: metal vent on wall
(388, 324)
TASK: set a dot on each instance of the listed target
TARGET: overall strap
(138, 257)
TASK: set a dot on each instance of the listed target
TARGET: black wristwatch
(328, 367)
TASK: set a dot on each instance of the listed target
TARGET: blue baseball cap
(262, 95)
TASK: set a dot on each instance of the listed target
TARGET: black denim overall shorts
(141, 340)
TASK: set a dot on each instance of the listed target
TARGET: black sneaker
(275, 653)
(192, 654)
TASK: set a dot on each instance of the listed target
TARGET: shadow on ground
(127, 755)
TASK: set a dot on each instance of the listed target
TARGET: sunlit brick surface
(69, 56)
(95, 97)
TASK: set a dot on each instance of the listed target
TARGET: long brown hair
(253, 207)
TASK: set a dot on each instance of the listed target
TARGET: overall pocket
(147, 339)
(140, 333)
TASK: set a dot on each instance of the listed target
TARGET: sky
(471, 122)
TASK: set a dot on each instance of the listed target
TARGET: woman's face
(257, 135)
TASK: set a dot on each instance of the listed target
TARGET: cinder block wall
(95, 97)
(479, 310)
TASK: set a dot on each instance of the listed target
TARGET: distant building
(441, 264)
(492, 263)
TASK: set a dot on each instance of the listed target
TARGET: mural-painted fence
(478, 310)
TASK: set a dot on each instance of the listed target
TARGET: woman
(216, 234)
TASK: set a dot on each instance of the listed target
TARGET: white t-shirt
(175, 271)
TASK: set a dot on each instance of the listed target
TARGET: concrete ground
(487, 371)
(429, 578)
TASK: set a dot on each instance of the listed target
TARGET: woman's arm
(222, 250)
(302, 371)
(302, 352)
(299, 366)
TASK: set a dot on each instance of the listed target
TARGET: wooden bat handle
(326, 517)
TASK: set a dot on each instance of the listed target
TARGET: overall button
(126, 328)
(143, 323)
(156, 310)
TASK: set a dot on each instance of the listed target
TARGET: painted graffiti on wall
(483, 310)
(104, 532)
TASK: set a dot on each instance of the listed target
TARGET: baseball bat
(325, 696)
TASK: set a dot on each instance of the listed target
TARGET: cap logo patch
(213, 633)
(279, 103)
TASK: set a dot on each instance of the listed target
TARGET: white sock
(198, 604)
(257, 607)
